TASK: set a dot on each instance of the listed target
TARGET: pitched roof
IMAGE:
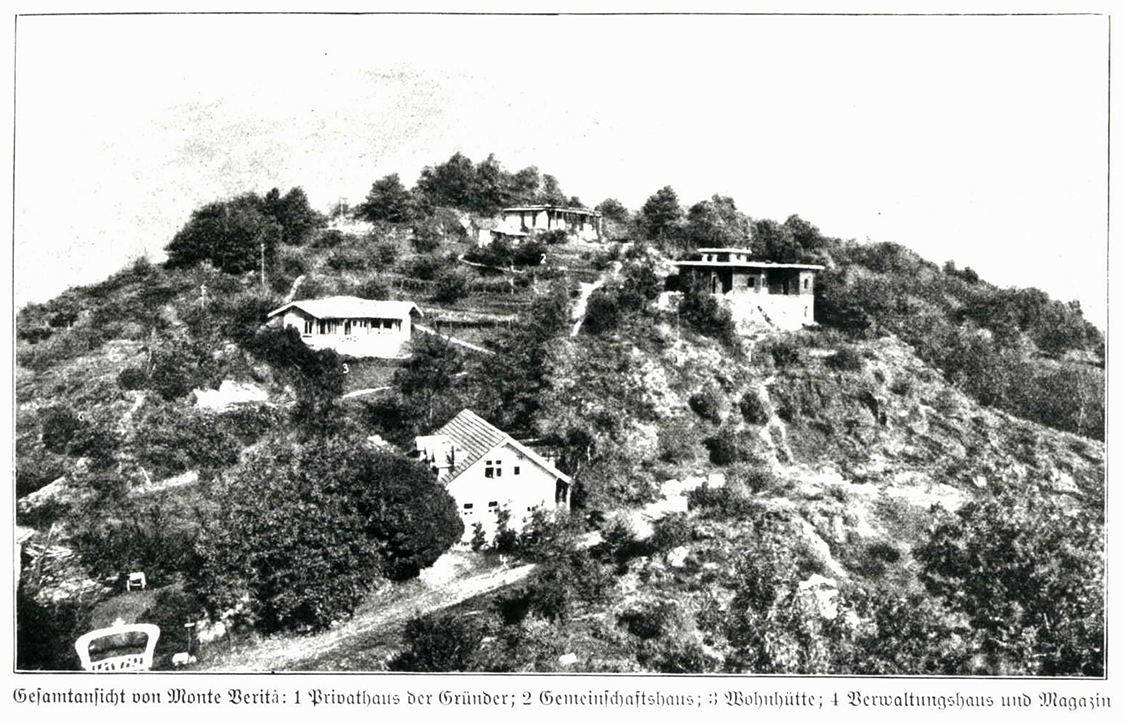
(475, 438)
(351, 307)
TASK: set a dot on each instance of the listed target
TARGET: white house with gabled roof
(486, 470)
(351, 325)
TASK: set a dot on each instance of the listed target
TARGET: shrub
(676, 442)
(438, 644)
(348, 259)
(426, 238)
(138, 535)
(172, 608)
(329, 238)
(529, 253)
(373, 288)
(720, 502)
(603, 313)
(619, 541)
(650, 620)
(703, 313)
(385, 255)
(506, 540)
(846, 359)
(728, 447)
(425, 267)
(785, 354)
(60, 425)
(754, 410)
(132, 378)
(451, 286)
(707, 404)
(670, 532)
(479, 540)
(553, 237)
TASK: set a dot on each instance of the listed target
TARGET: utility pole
(262, 246)
(203, 297)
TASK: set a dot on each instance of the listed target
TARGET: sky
(976, 139)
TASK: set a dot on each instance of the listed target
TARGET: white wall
(361, 342)
(532, 487)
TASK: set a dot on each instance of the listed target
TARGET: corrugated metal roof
(351, 307)
(474, 438)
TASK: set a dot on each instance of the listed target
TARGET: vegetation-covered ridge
(876, 450)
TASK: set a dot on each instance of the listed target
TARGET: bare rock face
(229, 394)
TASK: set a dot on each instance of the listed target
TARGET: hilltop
(746, 499)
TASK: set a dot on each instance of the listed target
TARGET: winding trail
(455, 340)
(585, 290)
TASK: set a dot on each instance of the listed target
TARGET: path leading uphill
(455, 340)
(584, 292)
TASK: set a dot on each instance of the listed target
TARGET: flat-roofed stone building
(780, 294)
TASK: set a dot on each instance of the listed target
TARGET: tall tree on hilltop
(293, 213)
(613, 210)
(453, 183)
(717, 222)
(524, 185)
(388, 200)
(551, 193)
(227, 234)
(661, 216)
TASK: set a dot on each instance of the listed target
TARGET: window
(492, 469)
(806, 283)
(516, 469)
(468, 505)
(494, 503)
(308, 326)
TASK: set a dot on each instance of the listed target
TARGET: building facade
(486, 471)
(351, 325)
(781, 295)
(580, 222)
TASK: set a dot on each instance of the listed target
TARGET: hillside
(924, 467)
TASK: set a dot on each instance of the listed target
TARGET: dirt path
(454, 340)
(585, 290)
(384, 614)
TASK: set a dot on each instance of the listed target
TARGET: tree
(293, 213)
(453, 183)
(612, 210)
(389, 201)
(428, 375)
(661, 215)
(524, 185)
(492, 187)
(227, 234)
(776, 241)
(717, 222)
(550, 192)
(305, 529)
(1026, 570)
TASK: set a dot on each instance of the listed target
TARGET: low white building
(351, 325)
(485, 471)
(580, 222)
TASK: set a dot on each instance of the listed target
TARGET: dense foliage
(228, 233)
(305, 530)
